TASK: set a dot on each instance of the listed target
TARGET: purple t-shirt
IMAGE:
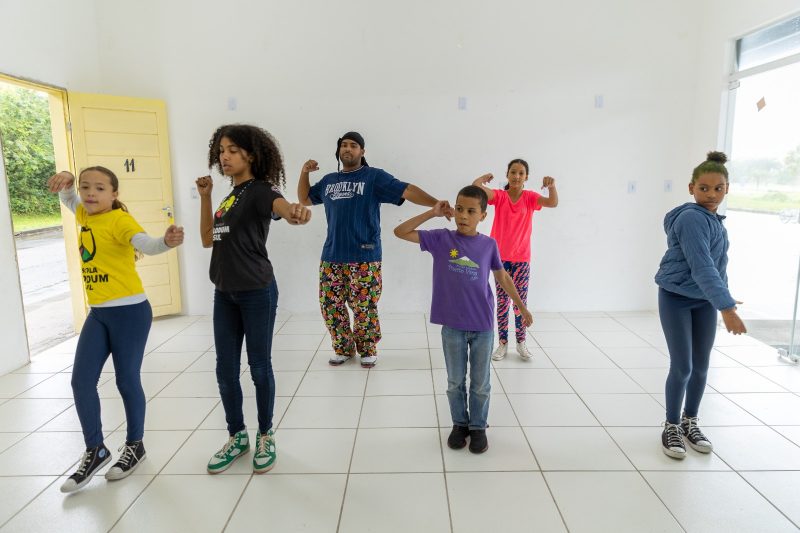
(462, 298)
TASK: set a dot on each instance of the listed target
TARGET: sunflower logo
(453, 253)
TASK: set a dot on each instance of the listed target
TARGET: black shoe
(458, 437)
(93, 460)
(696, 439)
(132, 454)
(478, 443)
(672, 441)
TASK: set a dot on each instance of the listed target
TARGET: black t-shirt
(239, 259)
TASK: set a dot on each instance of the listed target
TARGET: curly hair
(267, 162)
(715, 162)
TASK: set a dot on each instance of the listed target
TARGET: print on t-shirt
(88, 250)
(344, 189)
(463, 265)
(224, 208)
(86, 244)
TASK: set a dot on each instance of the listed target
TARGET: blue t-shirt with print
(353, 210)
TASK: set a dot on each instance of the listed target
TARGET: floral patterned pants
(357, 285)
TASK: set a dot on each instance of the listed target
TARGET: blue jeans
(689, 325)
(476, 347)
(121, 332)
(250, 315)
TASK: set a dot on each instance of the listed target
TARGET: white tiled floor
(574, 442)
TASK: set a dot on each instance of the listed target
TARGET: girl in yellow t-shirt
(120, 316)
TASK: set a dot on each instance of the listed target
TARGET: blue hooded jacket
(697, 256)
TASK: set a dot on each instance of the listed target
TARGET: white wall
(52, 42)
(309, 70)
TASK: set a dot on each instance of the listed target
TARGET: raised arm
(552, 198)
(408, 229)
(294, 214)
(505, 281)
(156, 245)
(481, 182)
(417, 196)
(64, 184)
(303, 184)
(204, 187)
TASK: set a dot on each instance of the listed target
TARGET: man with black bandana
(350, 267)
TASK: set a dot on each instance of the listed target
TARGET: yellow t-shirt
(107, 255)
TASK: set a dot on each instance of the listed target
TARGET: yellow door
(129, 136)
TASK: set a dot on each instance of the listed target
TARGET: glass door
(763, 206)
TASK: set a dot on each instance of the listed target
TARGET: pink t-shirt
(512, 224)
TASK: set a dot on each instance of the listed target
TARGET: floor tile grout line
(619, 447)
(174, 454)
(439, 433)
(725, 395)
(352, 454)
(530, 446)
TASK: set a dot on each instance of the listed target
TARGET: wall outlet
(667, 185)
(193, 192)
(462, 103)
(631, 187)
(598, 101)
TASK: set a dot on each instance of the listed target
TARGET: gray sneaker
(500, 352)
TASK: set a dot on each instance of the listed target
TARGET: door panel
(129, 136)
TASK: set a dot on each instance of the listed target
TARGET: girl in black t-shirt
(245, 295)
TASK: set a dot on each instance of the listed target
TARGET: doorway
(33, 126)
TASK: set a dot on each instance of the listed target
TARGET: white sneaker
(368, 361)
(500, 353)
(338, 359)
(522, 350)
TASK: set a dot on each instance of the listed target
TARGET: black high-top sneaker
(672, 441)
(132, 454)
(93, 460)
(698, 441)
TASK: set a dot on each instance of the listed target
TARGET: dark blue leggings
(121, 332)
(245, 316)
(689, 325)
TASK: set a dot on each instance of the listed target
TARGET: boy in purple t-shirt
(463, 304)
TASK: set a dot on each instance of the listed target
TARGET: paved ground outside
(45, 289)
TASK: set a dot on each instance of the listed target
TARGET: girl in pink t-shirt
(513, 213)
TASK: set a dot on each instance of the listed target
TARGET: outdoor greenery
(763, 173)
(767, 201)
(27, 150)
(30, 222)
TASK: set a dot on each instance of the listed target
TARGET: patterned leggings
(520, 273)
(357, 285)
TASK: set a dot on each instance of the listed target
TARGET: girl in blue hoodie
(693, 285)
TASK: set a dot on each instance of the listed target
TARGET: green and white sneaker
(265, 455)
(236, 446)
